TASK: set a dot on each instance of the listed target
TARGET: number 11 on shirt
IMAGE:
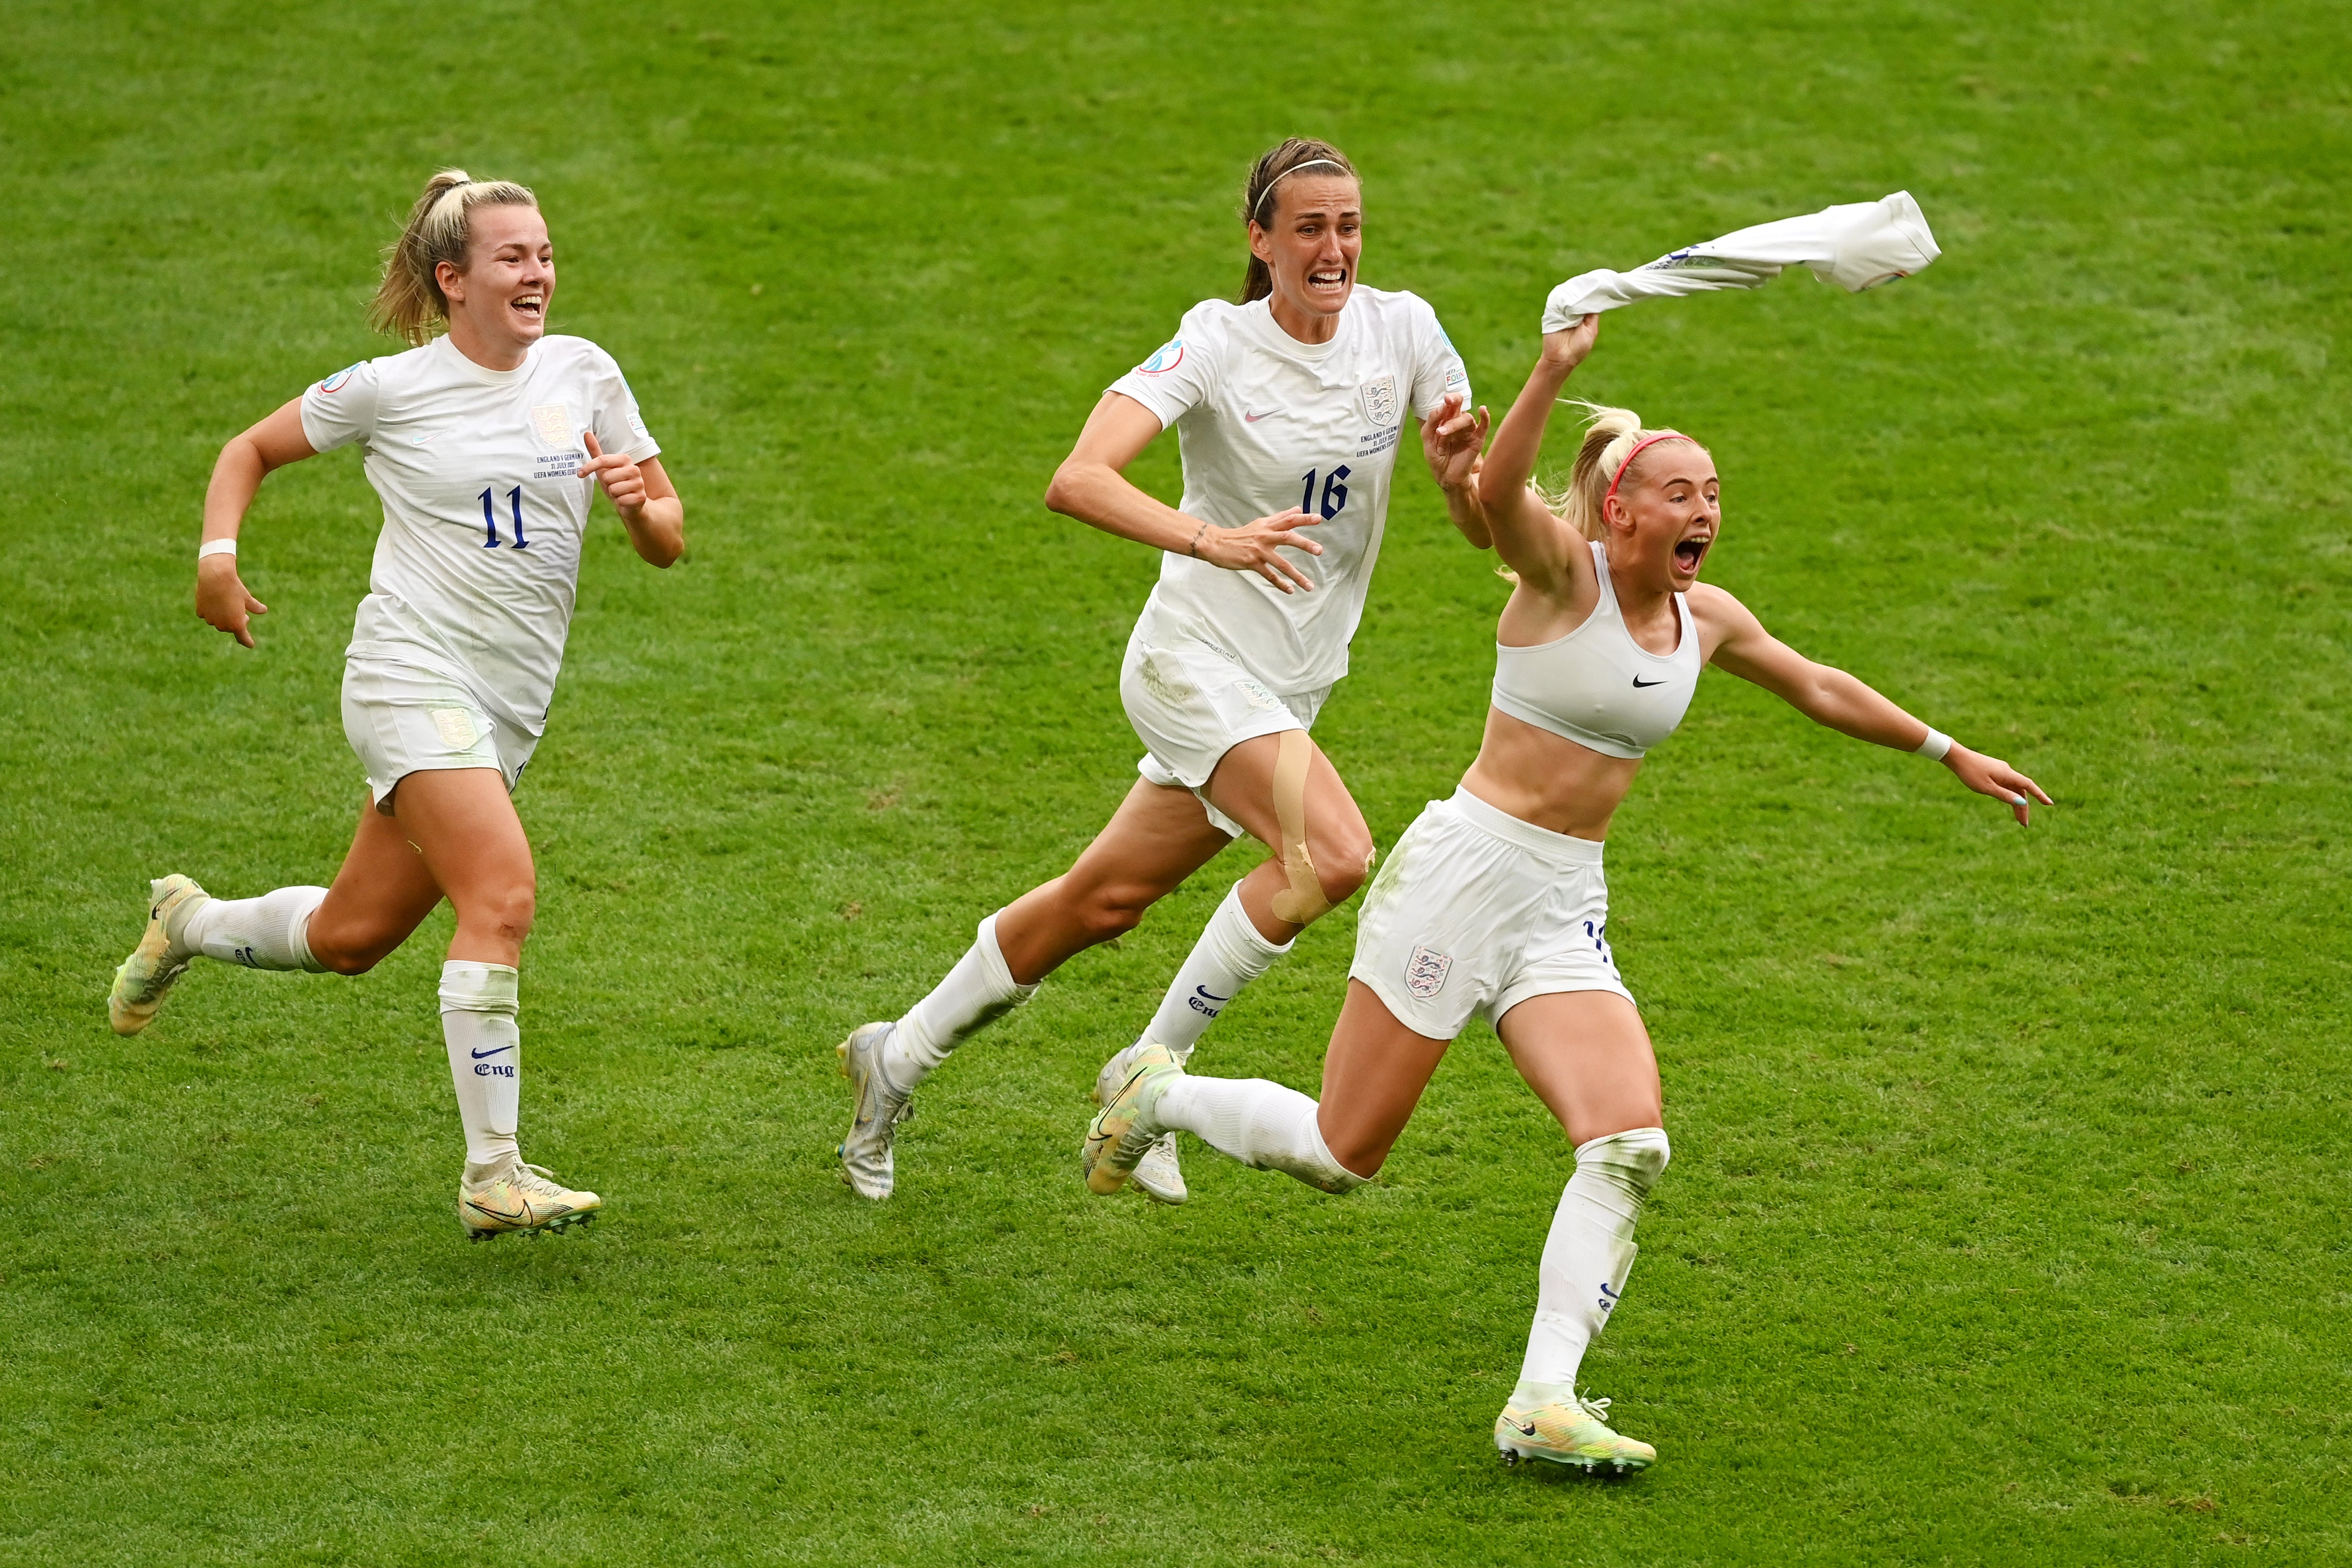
(1335, 493)
(490, 518)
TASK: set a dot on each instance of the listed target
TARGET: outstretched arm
(1091, 485)
(1827, 695)
(221, 596)
(1529, 538)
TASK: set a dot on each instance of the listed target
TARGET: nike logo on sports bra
(1639, 683)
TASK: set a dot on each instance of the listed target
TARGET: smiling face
(1310, 241)
(1665, 516)
(499, 301)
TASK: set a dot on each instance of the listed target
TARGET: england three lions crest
(1425, 971)
(1380, 396)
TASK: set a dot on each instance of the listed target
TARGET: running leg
(466, 833)
(1158, 836)
(379, 896)
(1373, 1076)
(1588, 1057)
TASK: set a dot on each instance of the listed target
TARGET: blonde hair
(1611, 435)
(409, 303)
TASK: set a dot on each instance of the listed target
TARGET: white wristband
(1936, 746)
(217, 547)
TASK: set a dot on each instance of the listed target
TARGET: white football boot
(876, 1107)
(508, 1196)
(141, 980)
(1161, 1179)
(1574, 1431)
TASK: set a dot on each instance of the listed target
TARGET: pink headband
(1638, 446)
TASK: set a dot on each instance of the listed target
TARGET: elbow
(1062, 493)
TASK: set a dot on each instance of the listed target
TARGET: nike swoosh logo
(1247, 417)
(1525, 1428)
(1639, 683)
(494, 1050)
(1211, 995)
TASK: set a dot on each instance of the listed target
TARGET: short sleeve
(1437, 371)
(1181, 373)
(619, 427)
(340, 409)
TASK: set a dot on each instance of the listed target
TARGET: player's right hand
(221, 599)
(1567, 348)
(1256, 548)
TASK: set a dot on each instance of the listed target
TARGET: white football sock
(266, 932)
(1229, 955)
(1586, 1257)
(478, 1003)
(976, 992)
(1259, 1123)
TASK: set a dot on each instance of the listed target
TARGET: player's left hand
(1990, 775)
(1451, 438)
(621, 476)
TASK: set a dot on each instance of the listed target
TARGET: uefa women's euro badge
(1380, 401)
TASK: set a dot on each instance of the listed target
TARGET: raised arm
(1529, 538)
(1092, 486)
(221, 596)
(1741, 647)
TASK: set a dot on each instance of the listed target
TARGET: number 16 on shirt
(1335, 493)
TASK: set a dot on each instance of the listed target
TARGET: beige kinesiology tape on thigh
(1303, 901)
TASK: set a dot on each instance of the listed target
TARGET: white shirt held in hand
(1858, 245)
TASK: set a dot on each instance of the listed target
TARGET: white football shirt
(478, 565)
(1265, 423)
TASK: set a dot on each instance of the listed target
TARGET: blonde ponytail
(408, 303)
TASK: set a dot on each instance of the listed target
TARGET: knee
(1111, 910)
(506, 912)
(1633, 1158)
(514, 910)
(1344, 866)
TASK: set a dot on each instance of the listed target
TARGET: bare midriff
(1548, 779)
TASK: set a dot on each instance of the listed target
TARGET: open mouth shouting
(1690, 552)
(1328, 280)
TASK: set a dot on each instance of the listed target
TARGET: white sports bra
(1597, 685)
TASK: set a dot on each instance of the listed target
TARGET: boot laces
(537, 1181)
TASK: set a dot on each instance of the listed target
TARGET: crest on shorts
(1425, 971)
(456, 727)
(553, 422)
(1255, 694)
(1381, 400)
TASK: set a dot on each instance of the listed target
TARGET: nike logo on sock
(494, 1050)
(1639, 683)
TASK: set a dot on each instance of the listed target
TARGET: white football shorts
(1474, 912)
(401, 720)
(1191, 701)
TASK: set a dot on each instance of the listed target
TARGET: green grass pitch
(2006, 1223)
